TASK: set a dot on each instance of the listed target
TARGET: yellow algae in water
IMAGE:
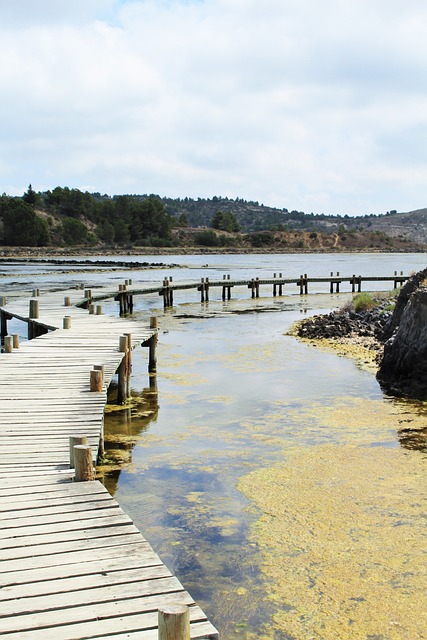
(343, 541)
(187, 380)
(358, 420)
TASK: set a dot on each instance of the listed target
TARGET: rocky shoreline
(37, 253)
(390, 338)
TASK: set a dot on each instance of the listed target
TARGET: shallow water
(236, 395)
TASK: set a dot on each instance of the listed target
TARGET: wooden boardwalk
(73, 565)
(167, 288)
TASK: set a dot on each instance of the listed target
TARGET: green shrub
(207, 238)
(363, 302)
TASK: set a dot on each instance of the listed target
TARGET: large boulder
(403, 368)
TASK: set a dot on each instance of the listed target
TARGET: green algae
(342, 532)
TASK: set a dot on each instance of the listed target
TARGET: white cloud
(298, 104)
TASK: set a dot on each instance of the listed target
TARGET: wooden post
(252, 287)
(67, 301)
(83, 463)
(33, 314)
(3, 301)
(8, 344)
(229, 289)
(99, 310)
(152, 344)
(128, 364)
(66, 322)
(207, 290)
(174, 622)
(73, 441)
(122, 371)
(91, 308)
(15, 339)
(359, 288)
(301, 284)
(165, 292)
(257, 287)
(353, 283)
(3, 316)
(34, 309)
(202, 289)
(305, 284)
(96, 380)
(125, 302)
(130, 296)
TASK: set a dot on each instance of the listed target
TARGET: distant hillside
(411, 225)
(69, 217)
(252, 216)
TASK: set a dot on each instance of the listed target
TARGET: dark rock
(403, 368)
(402, 300)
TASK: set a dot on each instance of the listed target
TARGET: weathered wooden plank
(65, 585)
(95, 520)
(77, 556)
(46, 503)
(82, 538)
(107, 617)
(100, 594)
(82, 570)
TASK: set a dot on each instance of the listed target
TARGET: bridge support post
(152, 345)
(129, 364)
(3, 326)
(123, 371)
(33, 315)
(305, 284)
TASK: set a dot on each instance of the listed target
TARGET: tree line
(66, 216)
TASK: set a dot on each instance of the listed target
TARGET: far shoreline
(46, 253)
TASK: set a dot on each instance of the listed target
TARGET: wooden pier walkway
(73, 565)
(126, 292)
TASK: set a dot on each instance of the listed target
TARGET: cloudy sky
(314, 105)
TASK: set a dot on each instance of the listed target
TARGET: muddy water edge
(275, 479)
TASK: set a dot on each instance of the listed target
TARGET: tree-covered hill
(69, 217)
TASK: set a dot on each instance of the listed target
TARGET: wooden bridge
(73, 565)
(126, 292)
